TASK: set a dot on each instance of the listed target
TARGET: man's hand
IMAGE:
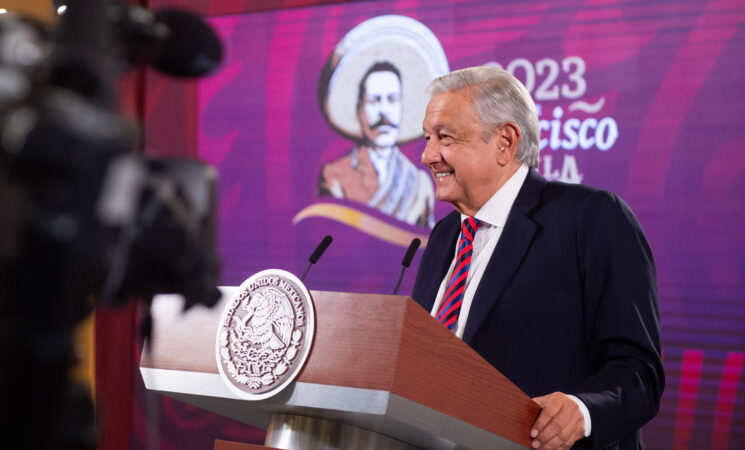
(560, 423)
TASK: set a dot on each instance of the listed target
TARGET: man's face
(464, 167)
(379, 112)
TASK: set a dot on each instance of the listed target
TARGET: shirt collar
(497, 208)
(380, 160)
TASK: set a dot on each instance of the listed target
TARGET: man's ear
(508, 137)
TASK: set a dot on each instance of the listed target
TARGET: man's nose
(431, 154)
(387, 108)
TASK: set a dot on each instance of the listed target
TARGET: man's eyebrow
(442, 126)
(435, 127)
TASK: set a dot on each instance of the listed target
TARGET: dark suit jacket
(568, 303)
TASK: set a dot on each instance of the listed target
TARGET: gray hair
(498, 97)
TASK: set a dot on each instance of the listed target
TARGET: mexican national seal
(265, 334)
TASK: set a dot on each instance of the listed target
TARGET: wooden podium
(380, 368)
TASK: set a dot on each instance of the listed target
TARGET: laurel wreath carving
(252, 365)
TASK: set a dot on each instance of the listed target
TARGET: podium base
(288, 431)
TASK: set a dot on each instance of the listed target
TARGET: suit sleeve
(622, 324)
(426, 273)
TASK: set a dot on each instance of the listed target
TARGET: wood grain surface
(370, 341)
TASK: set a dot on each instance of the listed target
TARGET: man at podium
(553, 284)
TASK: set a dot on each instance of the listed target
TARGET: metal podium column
(287, 431)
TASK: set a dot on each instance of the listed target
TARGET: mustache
(383, 121)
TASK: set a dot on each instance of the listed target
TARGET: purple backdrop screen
(646, 99)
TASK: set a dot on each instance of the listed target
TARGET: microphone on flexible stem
(176, 42)
(407, 260)
(317, 253)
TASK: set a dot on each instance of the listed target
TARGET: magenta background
(673, 77)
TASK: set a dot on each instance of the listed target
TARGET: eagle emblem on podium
(264, 334)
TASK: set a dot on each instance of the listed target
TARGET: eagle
(268, 320)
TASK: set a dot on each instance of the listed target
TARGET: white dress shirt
(380, 159)
(493, 216)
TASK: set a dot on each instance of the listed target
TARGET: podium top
(371, 342)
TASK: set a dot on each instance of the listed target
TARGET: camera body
(104, 219)
(85, 218)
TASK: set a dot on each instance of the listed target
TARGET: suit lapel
(512, 246)
(442, 255)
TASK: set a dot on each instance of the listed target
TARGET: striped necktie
(449, 309)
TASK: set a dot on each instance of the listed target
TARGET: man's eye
(447, 140)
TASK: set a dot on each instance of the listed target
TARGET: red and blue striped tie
(449, 309)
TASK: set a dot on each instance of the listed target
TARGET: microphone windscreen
(411, 251)
(192, 48)
(320, 249)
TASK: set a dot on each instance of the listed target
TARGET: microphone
(176, 42)
(317, 253)
(407, 260)
(193, 49)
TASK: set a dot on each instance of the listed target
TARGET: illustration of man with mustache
(371, 91)
(375, 172)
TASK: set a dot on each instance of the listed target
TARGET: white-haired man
(553, 284)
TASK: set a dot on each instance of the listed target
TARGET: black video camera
(86, 219)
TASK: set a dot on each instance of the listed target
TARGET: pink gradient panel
(642, 98)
